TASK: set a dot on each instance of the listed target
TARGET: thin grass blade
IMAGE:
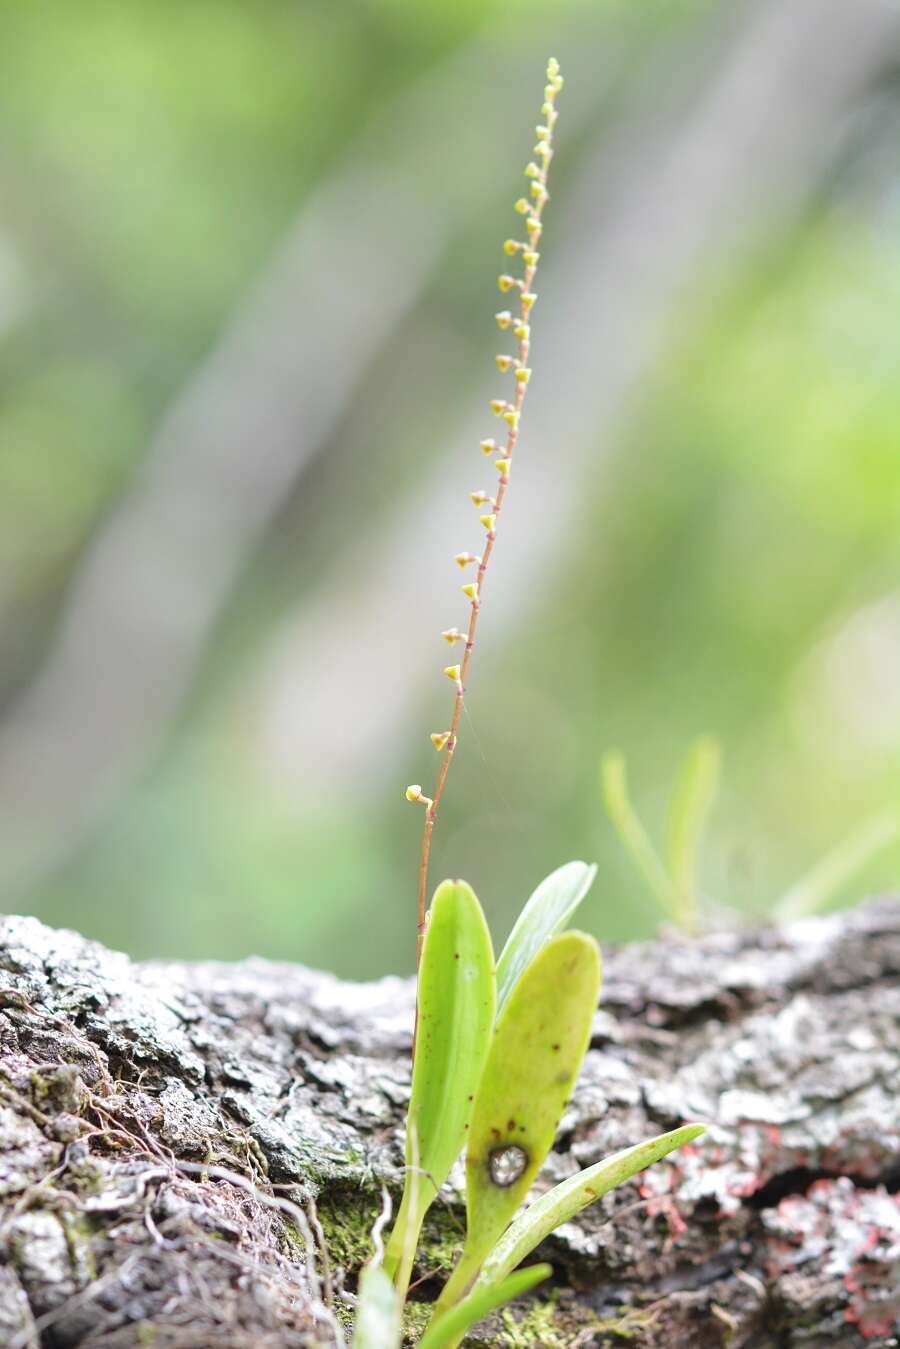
(632, 834)
(562, 1203)
(692, 798)
(824, 880)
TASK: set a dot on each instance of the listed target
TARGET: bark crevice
(165, 1128)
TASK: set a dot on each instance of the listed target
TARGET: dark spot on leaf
(507, 1164)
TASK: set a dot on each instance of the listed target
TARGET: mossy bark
(175, 1139)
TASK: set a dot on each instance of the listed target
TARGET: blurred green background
(247, 262)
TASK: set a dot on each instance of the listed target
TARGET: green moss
(538, 1326)
(347, 1218)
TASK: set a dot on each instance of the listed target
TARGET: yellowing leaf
(535, 1056)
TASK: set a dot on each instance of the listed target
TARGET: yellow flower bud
(511, 417)
(540, 192)
(471, 592)
(530, 258)
(528, 300)
(511, 247)
(542, 132)
(503, 363)
(488, 446)
(479, 498)
(523, 374)
(534, 229)
(498, 406)
(414, 793)
(502, 466)
(523, 206)
(439, 739)
(464, 559)
(532, 170)
(547, 108)
(489, 521)
(522, 331)
(453, 635)
(452, 672)
(504, 318)
(505, 282)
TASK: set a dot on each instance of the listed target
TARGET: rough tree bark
(164, 1129)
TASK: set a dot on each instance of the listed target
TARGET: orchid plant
(499, 1043)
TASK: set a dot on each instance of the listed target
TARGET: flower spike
(521, 289)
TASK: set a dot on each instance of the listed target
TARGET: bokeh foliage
(732, 565)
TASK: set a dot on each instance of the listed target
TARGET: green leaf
(692, 798)
(632, 834)
(547, 912)
(838, 866)
(456, 996)
(447, 1332)
(378, 1316)
(562, 1203)
(536, 1053)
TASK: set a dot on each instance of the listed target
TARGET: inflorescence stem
(510, 412)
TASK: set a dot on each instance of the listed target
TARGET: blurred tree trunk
(192, 1155)
(756, 104)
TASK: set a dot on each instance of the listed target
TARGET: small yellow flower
(523, 206)
(504, 318)
(452, 672)
(511, 417)
(452, 635)
(489, 522)
(502, 466)
(465, 559)
(439, 739)
(471, 592)
(503, 363)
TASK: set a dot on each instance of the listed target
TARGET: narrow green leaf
(692, 798)
(536, 1053)
(456, 1012)
(632, 834)
(447, 1332)
(378, 1316)
(816, 888)
(562, 1203)
(547, 912)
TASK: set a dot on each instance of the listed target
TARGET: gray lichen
(164, 1127)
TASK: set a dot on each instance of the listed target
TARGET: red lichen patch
(852, 1234)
